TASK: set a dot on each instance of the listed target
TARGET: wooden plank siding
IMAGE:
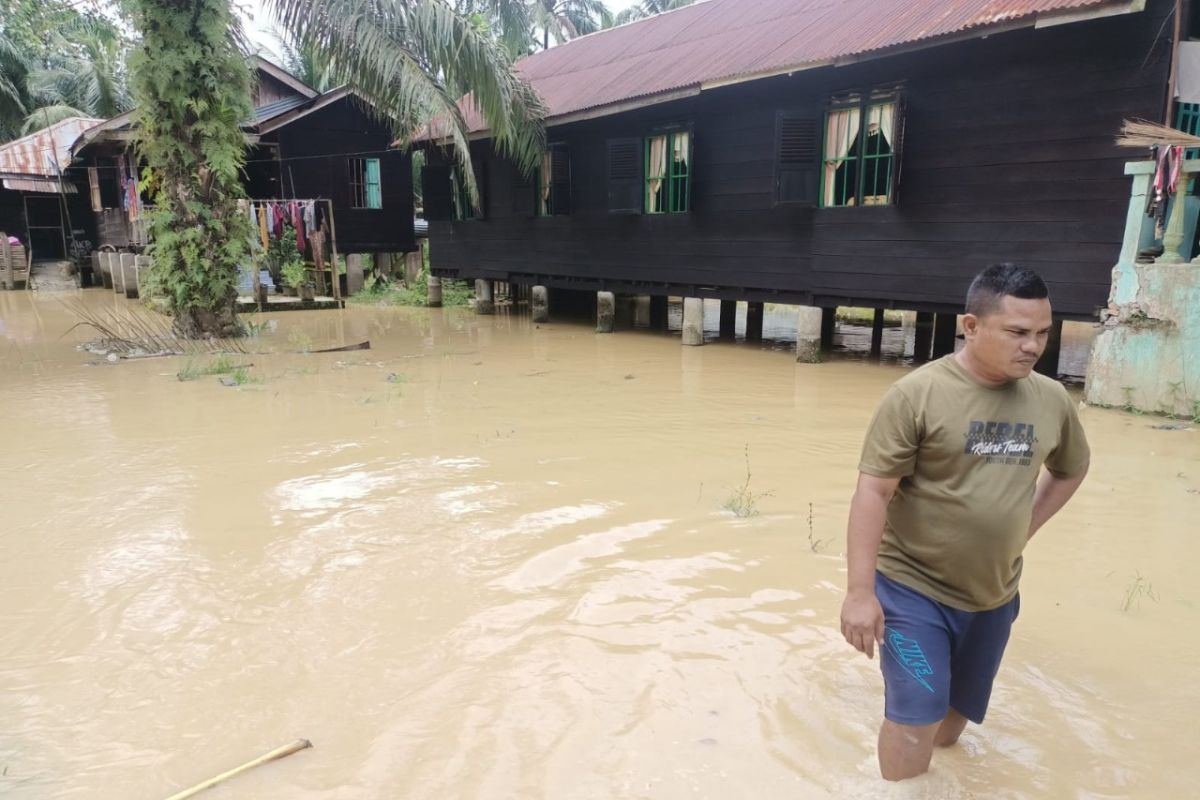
(1008, 155)
(314, 154)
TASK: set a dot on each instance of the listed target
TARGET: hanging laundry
(297, 225)
(317, 237)
(262, 227)
(308, 215)
(277, 215)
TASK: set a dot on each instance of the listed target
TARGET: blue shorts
(935, 657)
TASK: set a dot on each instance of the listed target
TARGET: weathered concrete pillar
(540, 304)
(808, 334)
(483, 297)
(355, 277)
(945, 328)
(626, 309)
(435, 292)
(123, 274)
(383, 263)
(877, 334)
(606, 312)
(141, 265)
(96, 275)
(693, 321)
(106, 271)
(828, 327)
(658, 312)
(754, 322)
(641, 311)
(728, 318)
(414, 262)
(1048, 363)
(923, 336)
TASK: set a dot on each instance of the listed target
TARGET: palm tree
(648, 8)
(14, 70)
(308, 63)
(86, 77)
(566, 19)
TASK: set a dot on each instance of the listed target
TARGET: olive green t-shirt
(968, 457)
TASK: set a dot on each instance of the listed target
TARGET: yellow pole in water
(278, 752)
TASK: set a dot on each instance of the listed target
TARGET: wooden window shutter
(523, 194)
(797, 158)
(898, 146)
(625, 176)
(436, 191)
(560, 179)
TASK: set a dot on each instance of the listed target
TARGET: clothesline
(313, 225)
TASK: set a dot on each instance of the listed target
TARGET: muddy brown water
(506, 573)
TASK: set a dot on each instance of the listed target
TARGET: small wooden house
(304, 144)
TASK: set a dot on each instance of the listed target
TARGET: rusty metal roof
(43, 153)
(724, 41)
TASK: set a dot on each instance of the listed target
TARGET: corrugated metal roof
(717, 41)
(43, 152)
(264, 113)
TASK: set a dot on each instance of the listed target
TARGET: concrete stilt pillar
(945, 328)
(96, 279)
(355, 276)
(626, 309)
(754, 322)
(125, 270)
(877, 334)
(141, 265)
(693, 321)
(606, 312)
(483, 297)
(828, 327)
(728, 318)
(1048, 363)
(435, 292)
(923, 336)
(540, 304)
(808, 335)
(106, 271)
(658, 312)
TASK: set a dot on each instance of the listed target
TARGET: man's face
(1008, 342)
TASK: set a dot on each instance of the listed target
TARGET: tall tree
(564, 20)
(192, 89)
(407, 58)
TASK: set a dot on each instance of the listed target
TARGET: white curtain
(841, 131)
(656, 170)
(885, 115)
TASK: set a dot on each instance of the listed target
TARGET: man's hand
(862, 621)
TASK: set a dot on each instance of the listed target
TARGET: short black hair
(999, 281)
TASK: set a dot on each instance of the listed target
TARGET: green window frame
(859, 151)
(365, 183)
(1187, 119)
(668, 173)
(464, 209)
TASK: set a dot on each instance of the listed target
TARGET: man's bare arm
(1051, 495)
(862, 616)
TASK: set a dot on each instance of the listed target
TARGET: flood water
(487, 559)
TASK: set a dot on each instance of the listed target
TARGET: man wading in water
(948, 494)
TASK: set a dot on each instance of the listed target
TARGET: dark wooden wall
(313, 152)
(1008, 157)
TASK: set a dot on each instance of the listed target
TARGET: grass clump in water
(743, 502)
(1135, 591)
(382, 292)
(233, 374)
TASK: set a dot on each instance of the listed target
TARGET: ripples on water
(505, 573)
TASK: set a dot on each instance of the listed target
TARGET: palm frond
(404, 57)
(46, 116)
